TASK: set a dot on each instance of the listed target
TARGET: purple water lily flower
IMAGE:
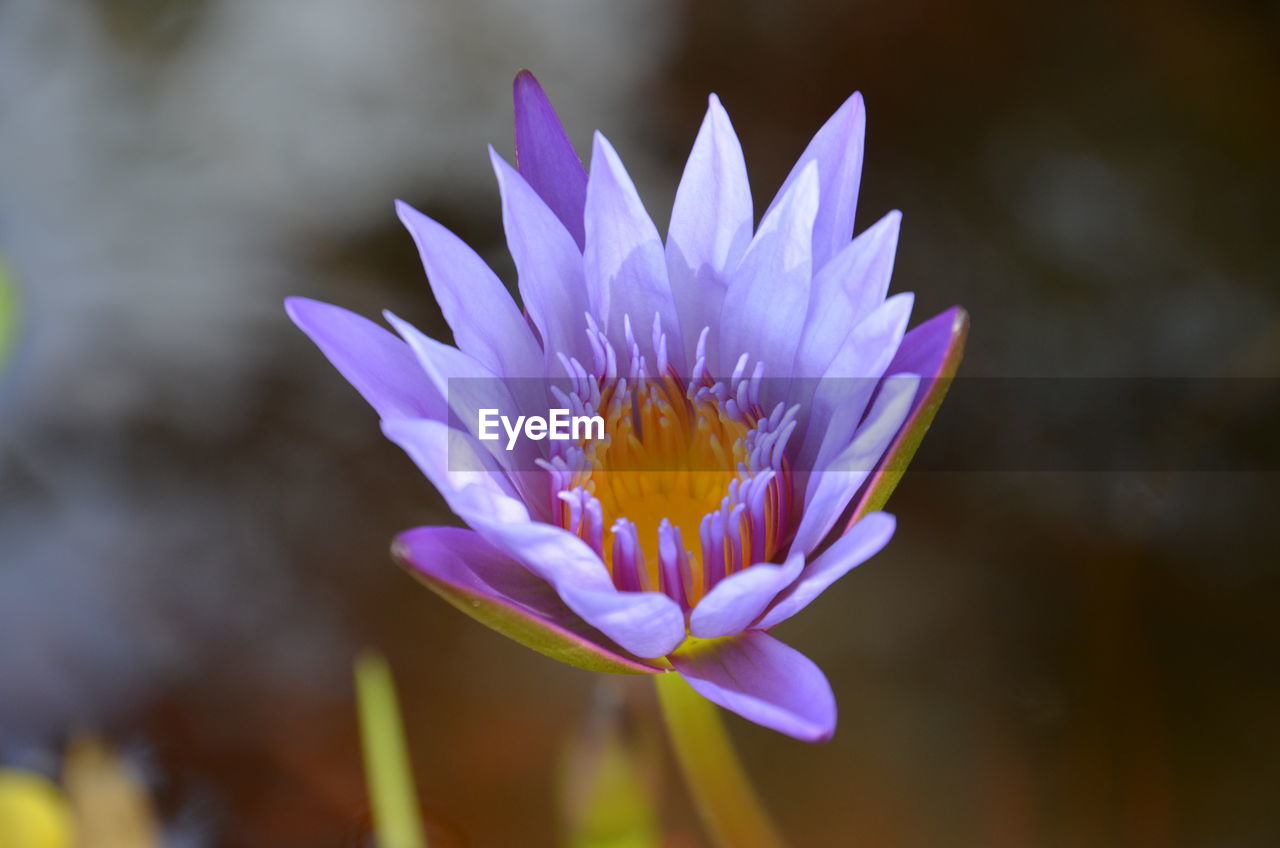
(760, 392)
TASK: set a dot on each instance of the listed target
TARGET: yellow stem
(730, 810)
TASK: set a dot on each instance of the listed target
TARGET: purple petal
(552, 285)
(380, 366)
(648, 624)
(837, 148)
(934, 350)
(554, 554)
(486, 322)
(768, 297)
(763, 680)
(492, 588)
(460, 469)
(469, 387)
(862, 541)
(479, 499)
(546, 157)
(710, 225)
(846, 290)
(832, 487)
(737, 600)
(626, 266)
(931, 347)
(841, 396)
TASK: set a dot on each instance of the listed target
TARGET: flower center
(688, 485)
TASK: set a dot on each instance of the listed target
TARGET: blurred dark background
(195, 509)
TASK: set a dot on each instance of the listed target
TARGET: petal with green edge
(933, 350)
(484, 583)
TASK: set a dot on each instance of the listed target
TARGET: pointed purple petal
(647, 624)
(845, 291)
(768, 297)
(763, 680)
(552, 285)
(737, 600)
(490, 587)
(832, 487)
(841, 397)
(546, 158)
(837, 148)
(626, 267)
(452, 460)
(710, 225)
(469, 387)
(380, 366)
(486, 322)
(863, 541)
(934, 350)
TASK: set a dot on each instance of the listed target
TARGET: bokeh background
(195, 509)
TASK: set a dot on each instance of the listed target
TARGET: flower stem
(728, 805)
(396, 821)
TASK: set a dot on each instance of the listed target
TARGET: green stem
(728, 805)
(396, 821)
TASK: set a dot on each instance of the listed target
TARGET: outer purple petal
(710, 225)
(469, 387)
(934, 350)
(454, 462)
(832, 487)
(480, 499)
(546, 157)
(762, 680)
(625, 263)
(768, 297)
(486, 322)
(862, 541)
(549, 264)
(837, 148)
(381, 367)
(737, 600)
(492, 588)
(648, 624)
(850, 381)
(846, 290)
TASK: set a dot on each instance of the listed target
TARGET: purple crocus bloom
(742, 464)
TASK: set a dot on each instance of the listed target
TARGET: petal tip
(524, 82)
(407, 213)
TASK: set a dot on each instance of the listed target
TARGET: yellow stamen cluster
(663, 456)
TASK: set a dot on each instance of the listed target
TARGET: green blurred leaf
(608, 781)
(396, 820)
(8, 312)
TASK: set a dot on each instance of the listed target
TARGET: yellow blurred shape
(608, 780)
(112, 808)
(33, 813)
